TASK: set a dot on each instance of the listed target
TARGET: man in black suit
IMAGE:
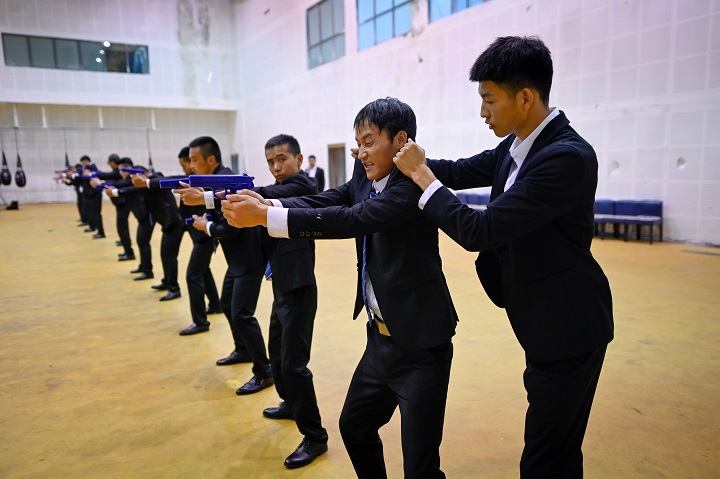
(92, 198)
(401, 292)
(162, 205)
(316, 172)
(535, 240)
(122, 209)
(241, 248)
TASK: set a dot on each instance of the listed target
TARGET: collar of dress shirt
(520, 148)
(379, 185)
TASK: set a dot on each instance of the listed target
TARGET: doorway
(336, 165)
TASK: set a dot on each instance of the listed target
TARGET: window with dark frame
(325, 32)
(381, 20)
(69, 54)
(443, 8)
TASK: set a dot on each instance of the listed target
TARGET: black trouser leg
(122, 212)
(295, 313)
(198, 265)
(560, 395)
(96, 213)
(226, 299)
(169, 249)
(244, 326)
(211, 290)
(142, 238)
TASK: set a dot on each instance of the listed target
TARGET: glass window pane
(116, 57)
(398, 2)
(326, 21)
(384, 27)
(41, 52)
(326, 51)
(339, 46)
(66, 52)
(439, 9)
(382, 6)
(314, 56)
(338, 16)
(138, 58)
(16, 51)
(314, 25)
(402, 20)
(472, 3)
(365, 10)
(90, 56)
(366, 35)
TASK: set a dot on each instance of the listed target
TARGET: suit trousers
(197, 271)
(386, 378)
(95, 212)
(244, 326)
(291, 329)
(169, 249)
(142, 238)
(231, 300)
(560, 395)
(121, 223)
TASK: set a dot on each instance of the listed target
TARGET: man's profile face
(312, 161)
(199, 164)
(376, 150)
(282, 163)
(500, 109)
(186, 165)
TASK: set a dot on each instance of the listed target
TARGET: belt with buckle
(382, 327)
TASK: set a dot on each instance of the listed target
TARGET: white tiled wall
(640, 79)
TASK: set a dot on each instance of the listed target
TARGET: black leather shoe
(159, 287)
(136, 271)
(194, 329)
(126, 257)
(88, 230)
(98, 236)
(170, 295)
(254, 385)
(82, 224)
(213, 310)
(143, 276)
(283, 411)
(306, 453)
(234, 358)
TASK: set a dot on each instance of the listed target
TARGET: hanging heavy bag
(67, 161)
(20, 178)
(5, 176)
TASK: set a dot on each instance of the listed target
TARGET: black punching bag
(20, 179)
(5, 177)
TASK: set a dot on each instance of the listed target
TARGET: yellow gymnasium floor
(96, 383)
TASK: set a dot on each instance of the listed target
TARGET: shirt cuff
(434, 186)
(277, 222)
(277, 203)
(209, 200)
(147, 182)
(207, 228)
(114, 192)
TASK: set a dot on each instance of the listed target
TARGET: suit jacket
(185, 210)
(160, 203)
(403, 259)
(320, 178)
(113, 176)
(292, 261)
(535, 239)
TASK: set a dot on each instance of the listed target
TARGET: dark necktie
(364, 269)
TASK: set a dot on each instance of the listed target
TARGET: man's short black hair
(312, 156)
(208, 147)
(114, 157)
(516, 63)
(293, 145)
(125, 161)
(389, 114)
(184, 153)
(85, 158)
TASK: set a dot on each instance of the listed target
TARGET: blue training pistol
(133, 171)
(172, 183)
(102, 186)
(228, 184)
